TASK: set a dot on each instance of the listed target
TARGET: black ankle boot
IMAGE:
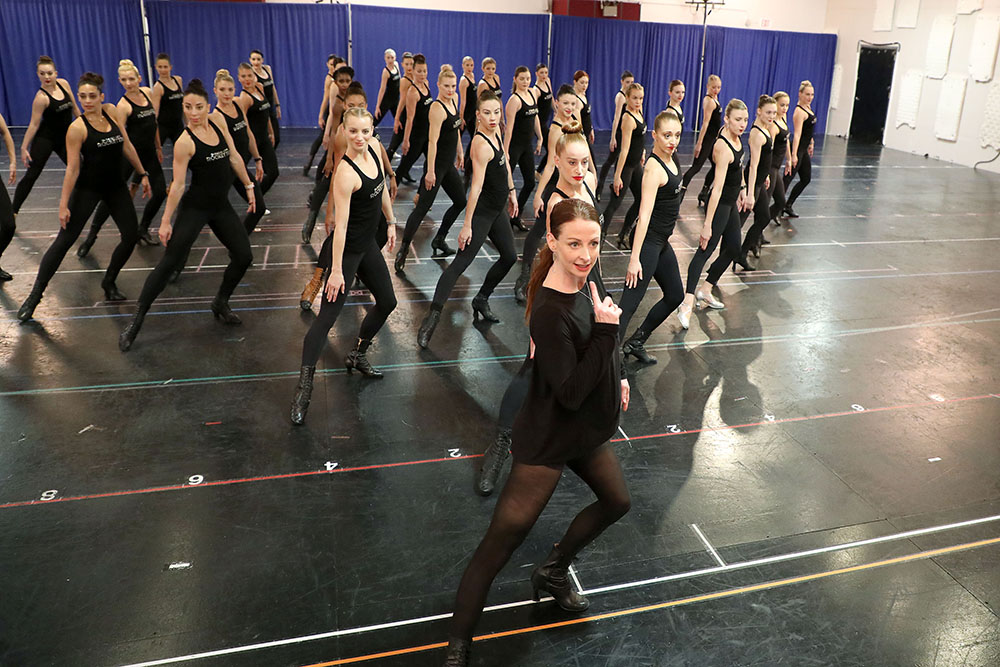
(493, 460)
(439, 245)
(222, 311)
(111, 292)
(521, 284)
(356, 360)
(428, 326)
(624, 240)
(303, 394)
(309, 226)
(400, 263)
(552, 576)
(127, 336)
(744, 262)
(458, 653)
(635, 346)
(789, 213)
(481, 308)
(145, 237)
(27, 309)
(87, 243)
(4, 276)
(517, 224)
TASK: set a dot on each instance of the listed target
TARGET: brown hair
(675, 83)
(488, 96)
(579, 74)
(781, 94)
(565, 211)
(45, 60)
(572, 132)
(521, 69)
(734, 105)
(764, 100)
(196, 87)
(356, 89)
(665, 116)
(91, 79)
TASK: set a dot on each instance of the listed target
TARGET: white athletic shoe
(709, 300)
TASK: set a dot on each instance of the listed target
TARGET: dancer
(342, 81)
(491, 200)
(52, 111)
(140, 123)
(490, 80)
(711, 123)
(652, 257)
(96, 144)
(628, 171)
(468, 98)
(359, 195)
(388, 90)
(265, 77)
(522, 115)
(677, 92)
(418, 103)
(782, 153)
(7, 226)
(576, 399)
(399, 119)
(208, 150)
(258, 113)
(722, 220)
(332, 62)
(245, 144)
(167, 93)
(616, 137)
(543, 93)
(581, 82)
(757, 177)
(444, 158)
(804, 123)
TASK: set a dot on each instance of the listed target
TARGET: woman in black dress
(576, 398)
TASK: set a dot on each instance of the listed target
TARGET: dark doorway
(871, 94)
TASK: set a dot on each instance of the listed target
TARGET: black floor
(807, 466)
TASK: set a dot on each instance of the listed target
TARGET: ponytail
(539, 272)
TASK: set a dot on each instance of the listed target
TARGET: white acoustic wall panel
(949, 111)
(906, 13)
(983, 49)
(989, 132)
(909, 98)
(969, 6)
(838, 76)
(939, 46)
(883, 15)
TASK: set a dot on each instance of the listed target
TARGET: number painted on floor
(673, 428)
(769, 418)
(50, 494)
(858, 408)
(195, 480)
(454, 453)
(330, 465)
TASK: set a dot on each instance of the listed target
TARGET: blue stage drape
(672, 52)
(202, 37)
(80, 35)
(800, 56)
(512, 40)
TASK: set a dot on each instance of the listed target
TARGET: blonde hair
(489, 61)
(125, 63)
(633, 87)
(805, 84)
(781, 94)
(224, 75)
(388, 51)
(468, 59)
(572, 133)
(446, 73)
(358, 112)
(714, 78)
(664, 117)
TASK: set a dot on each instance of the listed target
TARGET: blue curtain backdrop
(510, 39)
(80, 35)
(202, 37)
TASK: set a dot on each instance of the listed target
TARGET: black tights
(251, 219)
(157, 184)
(631, 179)
(417, 148)
(725, 226)
(322, 187)
(226, 226)
(7, 226)
(397, 137)
(446, 177)
(703, 154)
(658, 262)
(608, 165)
(777, 192)
(485, 223)
(804, 170)
(522, 500)
(761, 218)
(41, 148)
(325, 258)
(370, 267)
(270, 162)
(276, 127)
(317, 142)
(524, 159)
(82, 203)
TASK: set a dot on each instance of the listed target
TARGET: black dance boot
(481, 308)
(303, 394)
(400, 263)
(357, 361)
(111, 292)
(144, 236)
(744, 262)
(127, 336)
(87, 243)
(458, 653)
(517, 224)
(222, 311)
(552, 576)
(27, 309)
(788, 212)
(493, 460)
(635, 346)
(428, 326)
(521, 284)
(308, 226)
(4, 276)
(439, 245)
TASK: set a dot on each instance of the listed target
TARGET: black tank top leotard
(808, 128)
(471, 103)
(101, 157)
(763, 161)
(391, 97)
(714, 122)
(171, 111)
(524, 122)
(447, 143)
(421, 124)
(544, 103)
(780, 144)
(238, 131)
(680, 114)
(493, 196)
(258, 117)
(57, 117)
(585, 119)
(496, 89)
(667, 203)
(211, 173)
(734, 176)
(141, 126)
(590, 193)
(366, 205)
(267, 85)
(618, 128)
(638, 138)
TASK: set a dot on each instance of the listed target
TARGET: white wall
(852, 20)
(790, 15)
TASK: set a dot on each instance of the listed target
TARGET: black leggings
(82, 203)
(725, 226)
(804, 170)
(524, 158)
(251, 219)
(777, 191)
(607, 166)
(387, 106)
(658, 262)
(485, 223)
(275, 125)
(533, 241)
(704, 154)
(397, 137)
(524, 496)
(226, 226)
(370, 267)
(761, 217)
(270, 162)
(545, 150)
(446, 177)
(632, 180)
(417, 148)
(157, 183)
(322, 186)
(41, 148)
(325, 258)
(7, 226)
(170, 131)
(317, 142)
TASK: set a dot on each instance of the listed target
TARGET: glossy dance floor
(814, 469)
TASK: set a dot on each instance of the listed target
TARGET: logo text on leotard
(217, 155)
(377, 190)
(110, 141)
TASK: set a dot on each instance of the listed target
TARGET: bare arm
(325, 102)
(723, 157)
(463, 90)
(756, 142)
(345, 182)
(550, 167)
(75, 137)
(381, 88)
(619, 108)
(707, 107)
(183, 151)
(628, 124)
(411, 110)
(11, 151)
(798, 118)
(435, 117)
(274, 87)
(404, 89)
(513, 104)
(118, 117)
(37, 109)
